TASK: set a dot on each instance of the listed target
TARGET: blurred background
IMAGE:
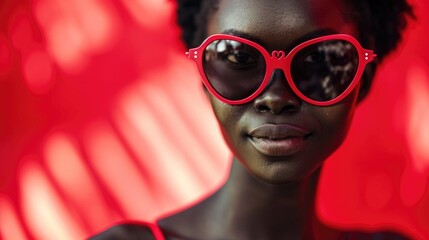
(102, 119)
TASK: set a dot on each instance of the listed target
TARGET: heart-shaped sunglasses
(321, 71)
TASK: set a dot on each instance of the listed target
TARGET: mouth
(278, 139)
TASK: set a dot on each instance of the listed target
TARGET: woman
(283, 78)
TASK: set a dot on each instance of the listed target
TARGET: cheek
(231, 120)
(222, 111)
(336, 120)
(227, 116)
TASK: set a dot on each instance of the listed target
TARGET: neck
(267, 210)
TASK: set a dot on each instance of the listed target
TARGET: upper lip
(278, 131)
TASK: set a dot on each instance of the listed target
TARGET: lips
(278, 139)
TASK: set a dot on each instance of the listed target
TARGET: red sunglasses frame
(279, 60)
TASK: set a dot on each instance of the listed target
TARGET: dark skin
(270, 196)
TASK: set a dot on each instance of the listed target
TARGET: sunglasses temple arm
(369, 55)
(192, 53)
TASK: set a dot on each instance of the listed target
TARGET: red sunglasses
(321, 71)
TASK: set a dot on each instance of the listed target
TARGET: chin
(278, 181)
(282, 173)
(281, 180)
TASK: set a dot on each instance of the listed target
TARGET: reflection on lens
(234, 69)
(324, 70)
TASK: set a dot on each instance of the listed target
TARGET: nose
(278, 96)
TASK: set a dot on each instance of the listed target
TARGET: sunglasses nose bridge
(278, 59)
(277, 96)
(278, 62)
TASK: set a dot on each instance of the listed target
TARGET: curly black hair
(379, 22)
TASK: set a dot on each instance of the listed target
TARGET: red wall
(102, 119)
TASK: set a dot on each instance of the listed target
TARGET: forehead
(279, 21)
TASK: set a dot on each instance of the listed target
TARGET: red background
(102, 119)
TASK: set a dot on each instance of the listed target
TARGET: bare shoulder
(129, 231)
(193, 222)
(187, 224)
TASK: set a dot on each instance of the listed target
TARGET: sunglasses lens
(324, 70)
(235, 70)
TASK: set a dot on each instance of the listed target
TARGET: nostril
(277, 97)
(292, 107)
(277, 105)
(262, 108)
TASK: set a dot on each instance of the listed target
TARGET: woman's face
(278, 137)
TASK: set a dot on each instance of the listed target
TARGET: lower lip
(278, 147)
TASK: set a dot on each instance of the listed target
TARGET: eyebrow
(238, 33)
(314, 34)
(301, 39)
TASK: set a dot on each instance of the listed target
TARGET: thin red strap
(156, 230)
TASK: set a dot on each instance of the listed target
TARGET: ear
(366, 81)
